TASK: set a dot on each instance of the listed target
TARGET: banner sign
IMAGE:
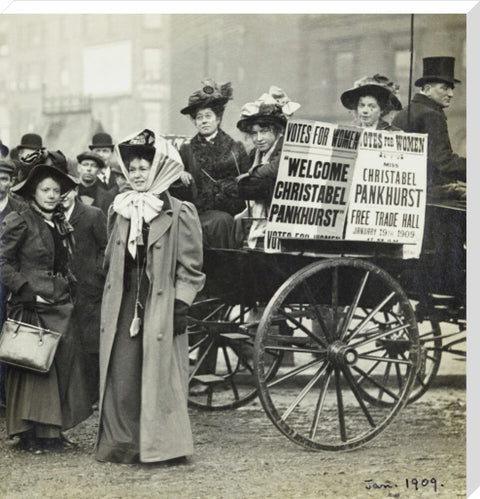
(387, 202)
(343, 182)
(313, 182)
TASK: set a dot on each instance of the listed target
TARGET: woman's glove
(180, 312)
(256, 188)
(25, 295)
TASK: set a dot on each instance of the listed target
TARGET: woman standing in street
(212, 161)
(35, 244)
(154, 261)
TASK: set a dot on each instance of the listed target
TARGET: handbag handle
(40, 330)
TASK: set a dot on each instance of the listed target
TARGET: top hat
(101, 140)
(26, 188)
(7, 166)
(31, 141)
(378, 86)
(438, 69)
(93, 156)
(209, 95)
(3, 149)
(273, 107)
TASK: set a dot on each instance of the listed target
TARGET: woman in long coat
(154, 260)
(34, 248)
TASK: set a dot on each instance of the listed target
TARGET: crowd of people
(110, 253)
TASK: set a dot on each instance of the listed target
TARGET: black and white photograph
(233, 250)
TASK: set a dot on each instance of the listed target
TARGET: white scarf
(145, 206)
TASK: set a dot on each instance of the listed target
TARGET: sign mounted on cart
(343, 182)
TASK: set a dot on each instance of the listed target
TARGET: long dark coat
(426, 116)
(58, 398)
(214, 166)
(90, 232)
(174, 262)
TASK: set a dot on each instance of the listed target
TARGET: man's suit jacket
(90, 232)
(101, 198)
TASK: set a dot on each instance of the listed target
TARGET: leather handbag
(27, 346)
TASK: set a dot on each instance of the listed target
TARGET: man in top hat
(425, 114)
(90, 189)
(103, 146)
(445, 230)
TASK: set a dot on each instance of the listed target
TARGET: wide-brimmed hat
(31, 141)
(93, 156)
(378, 86)
(273, 107)
(26, 188)
(211, 94)
(101, 140)
(7, 166)
(3, 149)
(438, 69)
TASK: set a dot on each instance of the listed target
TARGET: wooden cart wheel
(221, 355)
(325, 400)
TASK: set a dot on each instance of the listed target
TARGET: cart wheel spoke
(348, 376)
(376, 383)
(299, 325)
(324, 381)
(290, 374)
(304, 392)
(341, 413)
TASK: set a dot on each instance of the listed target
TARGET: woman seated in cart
(263, 121)
(371, 99)
(212, 161)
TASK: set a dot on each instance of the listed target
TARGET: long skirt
(55, 401)
(119, 430)
(217, 229)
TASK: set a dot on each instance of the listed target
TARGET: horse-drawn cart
(335, 336)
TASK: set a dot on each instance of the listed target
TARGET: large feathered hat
(211, 94)
(271, 107)
(378, 86)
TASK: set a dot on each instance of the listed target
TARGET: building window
(152, 64)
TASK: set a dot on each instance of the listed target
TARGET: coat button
(102, 329)
(49, 274)
(158, 245)
(118, 241)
